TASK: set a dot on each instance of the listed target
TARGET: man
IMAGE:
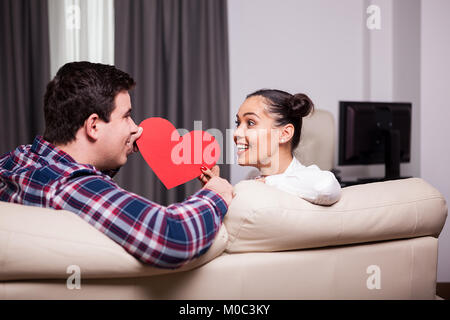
(89, 133)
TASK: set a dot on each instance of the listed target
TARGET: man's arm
(166, 237)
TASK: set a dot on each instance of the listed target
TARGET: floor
(443, 290)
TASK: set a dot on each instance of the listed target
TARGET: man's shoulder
(68, 171)
(38, 168)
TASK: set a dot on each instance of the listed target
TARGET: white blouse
(310, 183)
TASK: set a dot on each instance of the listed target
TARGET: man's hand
(222, 187)
(134, 137)
(211, 180)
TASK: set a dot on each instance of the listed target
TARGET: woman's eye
(249, 123)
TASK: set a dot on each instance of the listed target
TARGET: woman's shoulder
(313, 172)
(298, 167)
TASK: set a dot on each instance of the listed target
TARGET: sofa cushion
(42, 243)
(263, 218)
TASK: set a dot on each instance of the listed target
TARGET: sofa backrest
(317, 142)
(264, 218)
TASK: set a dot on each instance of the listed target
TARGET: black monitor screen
(366, 129)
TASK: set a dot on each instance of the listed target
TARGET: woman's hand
(208, 174)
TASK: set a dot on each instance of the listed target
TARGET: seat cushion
(400, 269)
(264, 218)
(37, 243)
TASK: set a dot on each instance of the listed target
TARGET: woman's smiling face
(256, 137)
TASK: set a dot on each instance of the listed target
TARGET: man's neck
(77, 151)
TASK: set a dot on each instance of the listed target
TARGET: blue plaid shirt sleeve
(166, 237)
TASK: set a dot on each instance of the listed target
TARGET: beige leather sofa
(379, 241)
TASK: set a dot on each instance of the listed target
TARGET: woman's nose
(238, 133)
(235, 136)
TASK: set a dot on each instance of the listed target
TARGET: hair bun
(300, 105)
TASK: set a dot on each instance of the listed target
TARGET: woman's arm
(310, 183)
(327, 188)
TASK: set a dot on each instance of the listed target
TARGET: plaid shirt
(42, 175)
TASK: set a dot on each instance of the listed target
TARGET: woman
(269, 124)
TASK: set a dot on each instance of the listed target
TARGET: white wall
(315, 47)
(435, 115)
(324, 49)
(406, 71)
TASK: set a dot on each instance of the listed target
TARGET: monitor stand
(391, 157)
(392, 154)
(391, 160)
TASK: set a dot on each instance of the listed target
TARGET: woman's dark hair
(287, 108)
(78, 90)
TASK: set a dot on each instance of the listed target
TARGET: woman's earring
(282, 140)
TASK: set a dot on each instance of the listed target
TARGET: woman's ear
(287, 132)
(91, 126)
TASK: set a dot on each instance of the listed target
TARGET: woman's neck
(278, 164)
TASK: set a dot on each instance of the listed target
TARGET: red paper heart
(175, 159)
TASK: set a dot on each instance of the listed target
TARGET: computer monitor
(375, 133)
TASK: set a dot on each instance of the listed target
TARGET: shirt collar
(290, 170)
(293, 166)
(49, 151)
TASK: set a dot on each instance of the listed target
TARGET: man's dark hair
(78, 90)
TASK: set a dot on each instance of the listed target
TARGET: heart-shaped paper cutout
(176, 159)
